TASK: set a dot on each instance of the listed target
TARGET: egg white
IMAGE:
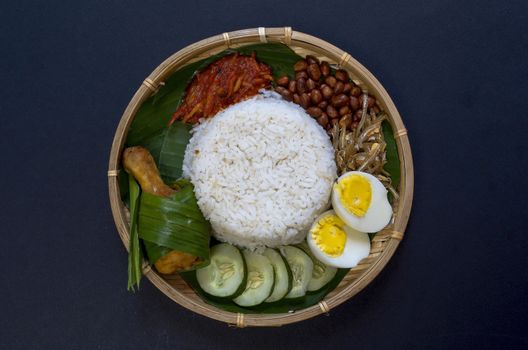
(379, 212)
(357, 247)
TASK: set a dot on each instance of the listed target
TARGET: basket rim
(291, 38)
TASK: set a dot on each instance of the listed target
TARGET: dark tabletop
(457, 71)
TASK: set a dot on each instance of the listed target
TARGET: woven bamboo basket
(384, 243)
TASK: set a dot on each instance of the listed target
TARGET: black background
(457, 71)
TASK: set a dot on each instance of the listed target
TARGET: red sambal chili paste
(229, 80)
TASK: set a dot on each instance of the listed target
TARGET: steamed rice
(262, 170)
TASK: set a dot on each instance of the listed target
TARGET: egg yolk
(355, 194)
(329, 235)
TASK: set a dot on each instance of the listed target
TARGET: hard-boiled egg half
(360, 200)
(335, 244)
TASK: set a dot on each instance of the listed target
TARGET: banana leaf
(281, 306)
(155, 251)
(167, 144)
(155, 113)
(135, 257)
(278, 56)
(174, 223)
(168, 149)
(393, 161)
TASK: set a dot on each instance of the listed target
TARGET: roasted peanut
(339, 87)
(354, 103)
(292, 86)
(316, 96)
(312, 59)
(344, 110)
(339, 101)
(335, 100)
(305, 100)
(325, 69)
(301, 74)
(331, 81)
(301, 86)
(342, 75)
(283, 81)
(300, 65)
(323, 120)
(327, 91)
(314, 72)
(370, 100)
(297, 99)
(280, 89)
(315, 112)
(356, 91)
(285, 93)
(332, 112)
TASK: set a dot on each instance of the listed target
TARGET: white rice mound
(262, 172)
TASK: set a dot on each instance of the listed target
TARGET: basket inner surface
(383, 244)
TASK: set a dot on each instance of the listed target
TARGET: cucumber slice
(283, 275)
(301, 266)
(225, 276)
(260, 280)
(322, 274)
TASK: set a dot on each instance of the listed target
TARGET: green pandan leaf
(134, 250)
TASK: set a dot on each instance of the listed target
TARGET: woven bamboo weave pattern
(384, 243)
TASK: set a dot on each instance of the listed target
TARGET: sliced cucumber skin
(242, 286)
(329, 272)
(261, 264)
(295, 256)
(290, 274)
(272, 254)
(327, 276)
(201, 274)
